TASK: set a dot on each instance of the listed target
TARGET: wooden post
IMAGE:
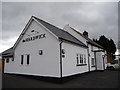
(109, 58)
(1, 64)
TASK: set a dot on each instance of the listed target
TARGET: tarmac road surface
(96, 79)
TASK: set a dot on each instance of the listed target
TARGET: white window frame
(91, 47)
(81, 59)
(93, 62)
(25, 59)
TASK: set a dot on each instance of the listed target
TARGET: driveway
(96, 79)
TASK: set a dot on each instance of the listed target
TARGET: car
(113, 65)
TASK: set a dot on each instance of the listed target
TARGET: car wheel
(112, 68)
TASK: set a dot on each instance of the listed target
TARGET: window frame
(93, 62)
(91, 47)
(80, 59)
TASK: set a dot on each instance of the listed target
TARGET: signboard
(34, 38)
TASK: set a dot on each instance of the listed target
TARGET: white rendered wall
(69, 62)
(7, 66)
(92, 55)
(40, 65)
(99, 60)
(79, 37)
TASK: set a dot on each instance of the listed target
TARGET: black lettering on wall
(34, 38)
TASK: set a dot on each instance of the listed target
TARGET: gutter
(95, 60)
(61, 58)
(88, 58)
(84, 46)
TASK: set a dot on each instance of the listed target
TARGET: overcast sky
(98, 18)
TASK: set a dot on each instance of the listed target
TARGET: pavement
(95, 79)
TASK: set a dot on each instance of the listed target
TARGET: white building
(96, 54)
(45, 50)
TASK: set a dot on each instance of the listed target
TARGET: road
(96, 79)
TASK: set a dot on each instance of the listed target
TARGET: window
(81, 59)
(25, 57)
(77, 59)
(28, 57)
(7, 60)
(91, 47)
(92, 62)
(22, 59)
(84, 59)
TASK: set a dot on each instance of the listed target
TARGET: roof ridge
(10, 50)
(47, 22)
(87, 38)
(60, 32)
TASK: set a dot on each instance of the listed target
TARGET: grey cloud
(96, 18)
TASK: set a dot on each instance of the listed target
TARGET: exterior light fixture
(63, 53)
(34, 31)
(30, 34)
(40, 52)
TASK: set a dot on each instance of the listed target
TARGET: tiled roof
(7, 52)
(88, 39)
(60, 33)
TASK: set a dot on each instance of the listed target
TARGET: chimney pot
(85, 33)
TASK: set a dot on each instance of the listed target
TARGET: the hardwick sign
(34, 38)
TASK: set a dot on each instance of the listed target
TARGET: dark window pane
(22, 59)
(77, 60)
(92, 61)
(80, 61)
(28, 57)
(84, 59)
(7, 60)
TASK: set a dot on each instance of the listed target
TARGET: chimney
(85, 33)
(66, 27)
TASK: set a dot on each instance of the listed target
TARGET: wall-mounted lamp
(103, 56)
(30, 34)
(40, 52)
(63, 56)
(89, 54)
(63, 53)
(34, 31)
